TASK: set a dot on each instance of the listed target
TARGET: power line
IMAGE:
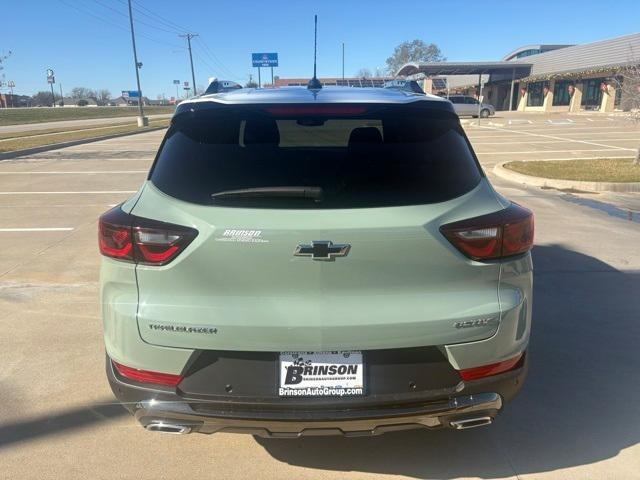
(216, 60)
(117, 25)
(142, 22)
(142, 10)
(162, 20)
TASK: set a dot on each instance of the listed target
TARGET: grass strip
(592, 170)
(41, 140)
(15, 116)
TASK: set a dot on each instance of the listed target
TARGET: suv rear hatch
(388, 176)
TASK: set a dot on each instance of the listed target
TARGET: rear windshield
(358, 156)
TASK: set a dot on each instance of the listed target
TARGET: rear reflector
(496, 235)
(489, 370)
(140, 240)
(145, 376)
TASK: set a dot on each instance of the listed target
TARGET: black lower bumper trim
(180, 415)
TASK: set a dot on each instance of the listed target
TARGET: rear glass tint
(382, 156)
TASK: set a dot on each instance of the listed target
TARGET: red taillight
(141, 240)
(146, 376)
(489, 370)
(496, 235)
(115, 240)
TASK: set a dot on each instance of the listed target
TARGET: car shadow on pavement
(579, 405)
(60, 422)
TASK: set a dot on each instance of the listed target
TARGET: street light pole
(142, 120)
(189, 36)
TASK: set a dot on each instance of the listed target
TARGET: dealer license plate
(321, 374)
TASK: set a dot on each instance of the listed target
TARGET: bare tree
(103, 96)
(628, 81)
(82, 92)
(43, 98)
(364, 73)
(413, 51)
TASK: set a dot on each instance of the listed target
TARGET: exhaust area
(171, 428)
(473, 422)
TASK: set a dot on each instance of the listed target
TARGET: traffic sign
(176, 82)
(130, 94)
(264, 59)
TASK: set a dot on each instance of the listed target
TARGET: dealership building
(543, 78)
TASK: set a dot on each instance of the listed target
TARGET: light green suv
(315, 261)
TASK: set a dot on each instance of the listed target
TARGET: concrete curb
(71, 143)
(507, 174)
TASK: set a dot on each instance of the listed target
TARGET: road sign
(186, 84)
(130, 94)
(264, 59)
(50, 76)
(176, 82)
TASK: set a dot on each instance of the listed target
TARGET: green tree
(413, 51)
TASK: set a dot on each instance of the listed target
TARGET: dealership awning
(465, 68)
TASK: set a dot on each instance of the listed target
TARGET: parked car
(315, 261)
(465, 105)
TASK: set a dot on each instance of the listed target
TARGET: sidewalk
(76, 123)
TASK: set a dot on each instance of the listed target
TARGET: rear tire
(484, 113)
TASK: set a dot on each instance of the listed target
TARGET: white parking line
(552, 151)
(38, 229)
(88, 192)
(75, 172)
(554, 141)
(560, 138)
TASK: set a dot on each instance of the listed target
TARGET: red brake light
(489, 370)
(145, 376)
(496, 235)
(320, 110)
(141, 240)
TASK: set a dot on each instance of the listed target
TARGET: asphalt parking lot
(578, 416)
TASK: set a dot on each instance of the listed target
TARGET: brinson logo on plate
(242, 236)
(321, 373)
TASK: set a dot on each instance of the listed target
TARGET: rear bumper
(468, 404)
(179, 416)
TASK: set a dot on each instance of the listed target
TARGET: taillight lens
(492, 369)
(496, 235)
(146, 376)
(141, 240)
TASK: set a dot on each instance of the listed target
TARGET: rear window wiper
(314, 193)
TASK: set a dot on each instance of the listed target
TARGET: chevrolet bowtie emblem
(322, 250)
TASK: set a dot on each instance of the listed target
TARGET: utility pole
(53, 97)
(11, 84)
(142, 120)
(189, 36)
(61, 96)
(342, 60)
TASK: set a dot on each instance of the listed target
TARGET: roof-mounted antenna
(314, 83)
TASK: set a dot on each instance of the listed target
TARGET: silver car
(466, 105)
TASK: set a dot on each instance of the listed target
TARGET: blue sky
(87, 42)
